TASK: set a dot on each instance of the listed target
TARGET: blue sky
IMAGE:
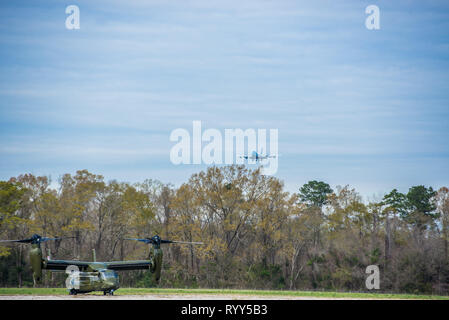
(368, 108)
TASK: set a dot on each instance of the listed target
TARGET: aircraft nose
(116, 283)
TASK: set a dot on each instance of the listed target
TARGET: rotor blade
(141, 240)
(35, 239)
(43, 239)
(22, 241)
(181, 242)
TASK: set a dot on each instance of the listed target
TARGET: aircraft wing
(266, 157)
(61, 265)
(128, 265)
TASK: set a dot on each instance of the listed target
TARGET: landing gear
(73, 292)
(110, 292)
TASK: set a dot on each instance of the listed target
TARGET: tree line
(256, 234)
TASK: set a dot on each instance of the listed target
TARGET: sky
(367, 108)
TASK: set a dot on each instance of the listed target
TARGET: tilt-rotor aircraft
(87, 276)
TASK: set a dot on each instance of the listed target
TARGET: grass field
(271, 293)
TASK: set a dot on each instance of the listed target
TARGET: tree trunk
(387, 241)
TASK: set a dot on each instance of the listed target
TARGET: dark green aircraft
(87, 276)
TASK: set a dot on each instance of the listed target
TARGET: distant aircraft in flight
(258, 157)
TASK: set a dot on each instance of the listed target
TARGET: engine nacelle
(36, 262)
(156, 255)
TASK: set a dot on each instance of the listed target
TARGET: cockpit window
(108, 275)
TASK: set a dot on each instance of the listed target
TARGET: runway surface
(168, 297)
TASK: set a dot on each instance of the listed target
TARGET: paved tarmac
(166, 297)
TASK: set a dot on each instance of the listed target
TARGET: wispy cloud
(348, 102)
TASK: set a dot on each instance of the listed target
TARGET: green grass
(273, 293)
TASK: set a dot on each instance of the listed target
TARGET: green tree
(396, 202)
(442, 203)
(420, 205)
(315, 193)
(11, 196)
